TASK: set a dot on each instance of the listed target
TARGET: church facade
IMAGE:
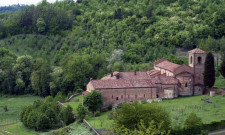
(167, 80)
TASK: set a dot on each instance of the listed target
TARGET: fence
(89, 126)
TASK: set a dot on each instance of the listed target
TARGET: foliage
(209, 71)
(67, 115)
(82, 111)
(222, 68)
(152, 129)
(193, 124)
(13, 8)
(45, 115)
(130, 116)
(94, 101)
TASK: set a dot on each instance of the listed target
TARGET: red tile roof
(85, 92)
(159, 61)
(183, 68)
(153, 73)
(127, 75)
(197, 50)
(167, 79)
(167, 65)
(120, 83)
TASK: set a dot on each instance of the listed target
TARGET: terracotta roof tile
(153, 73)
(183, 68)
(127, 75)
(115, 84)
(197, 50)
(159, 61)
(167, 79)
(167, 65)
(85, 92)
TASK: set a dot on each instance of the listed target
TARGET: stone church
(167, 80)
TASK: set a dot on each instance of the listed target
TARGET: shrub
(110, 106)
(97, 114)
(5, 108)
(67, 115)
(193, 124)
(82, 111)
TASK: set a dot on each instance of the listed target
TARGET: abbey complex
(166, 80)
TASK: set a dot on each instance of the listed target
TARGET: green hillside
(69, 42)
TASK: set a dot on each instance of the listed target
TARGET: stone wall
(127, 95)
(186, 84)
(162, 87)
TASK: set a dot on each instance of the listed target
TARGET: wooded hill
(102, 36)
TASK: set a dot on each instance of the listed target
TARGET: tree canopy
(209, 71)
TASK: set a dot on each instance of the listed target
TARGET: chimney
(135, 72)
(111, 74)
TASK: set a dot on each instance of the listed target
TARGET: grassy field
(101, 121)
(179, 108)
(77, 129)
(75, 102)
(14, 105)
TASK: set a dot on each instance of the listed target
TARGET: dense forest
(13, 8)
(58, 47)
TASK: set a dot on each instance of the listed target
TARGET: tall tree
(94, 101)
(209, 73)
(222, 68)
(130, 116)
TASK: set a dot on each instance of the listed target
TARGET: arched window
(191, 59)
(199, 60)
(186, 85)
(117, 98)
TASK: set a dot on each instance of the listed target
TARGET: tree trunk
(94, 120)
(217, 63)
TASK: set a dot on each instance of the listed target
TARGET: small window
(128, 96)
(199, 89)
(122, 96)
(135, 96)
(199, 60)
(191, 59)
(117, 98)
(186, 85)
(144, 95)
(112, 96)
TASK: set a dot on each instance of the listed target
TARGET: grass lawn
(220, 82)
(75, 102)
(14, 105)
(78, 129)
(101, 121)
(21, 130)
(179, 108)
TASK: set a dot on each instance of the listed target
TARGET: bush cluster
(46, 114)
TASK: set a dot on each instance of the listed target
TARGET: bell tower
(197, 62)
